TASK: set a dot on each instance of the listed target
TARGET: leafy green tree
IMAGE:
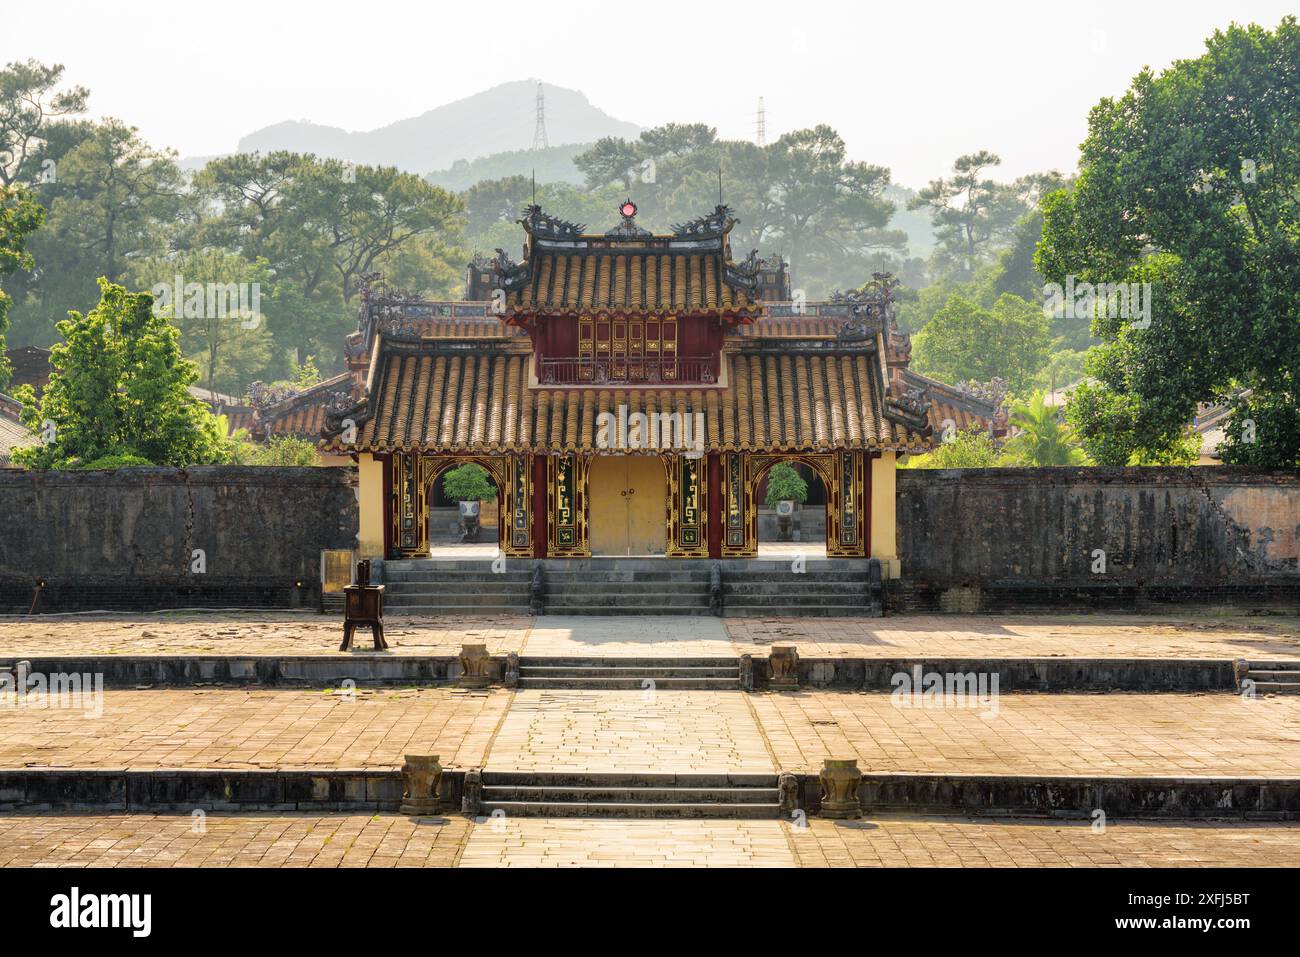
(968, 449)
(116, 200)
(30, 104)
(785, 484)
(468, 483)
(963, 342)
(321, 225)
(1189, 182)
(19, 218)
(610, 159)
(1043, 439)
(119, 388)
(231, 350)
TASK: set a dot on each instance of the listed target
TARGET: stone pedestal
(784, 666)
(471, 801)
(512, 670)
(475, 666)
(746, 672)
(840, 779)
(422, 777)
(788, 790)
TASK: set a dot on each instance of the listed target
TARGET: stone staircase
(1274, 677)
(456, 587)
(634, 795)
(631, 674)
(630, 586)
(826, 588)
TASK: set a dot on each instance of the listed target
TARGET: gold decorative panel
(566, 506)
(688, 517)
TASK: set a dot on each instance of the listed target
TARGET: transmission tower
(539, 131)
(762, 123)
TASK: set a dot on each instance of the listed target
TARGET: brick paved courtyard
(1201, 734)
(1175, 635)
(393, 840)
(658, 731)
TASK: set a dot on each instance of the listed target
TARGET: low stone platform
(728, 795)
(1177, 634)
(1167, 734)
(394, 840)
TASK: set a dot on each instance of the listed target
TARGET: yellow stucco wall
(370, 499)
(884, 515)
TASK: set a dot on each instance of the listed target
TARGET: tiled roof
(645, 281)
(480, 401)
(303, 414)
(13, 435)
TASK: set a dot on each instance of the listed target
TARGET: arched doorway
(797, 482)
(627, 497)
(819, 466)
(444, 509)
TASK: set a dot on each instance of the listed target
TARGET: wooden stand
(363, 604)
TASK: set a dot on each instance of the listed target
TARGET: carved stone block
(784, 666)
(840, 779)
(475, 666)
(422, 779)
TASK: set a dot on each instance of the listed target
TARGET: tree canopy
(1189, 182)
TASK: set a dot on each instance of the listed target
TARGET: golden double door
(627, 495)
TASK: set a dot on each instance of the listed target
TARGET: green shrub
(785, 484)
(123, 461)
(468, 483)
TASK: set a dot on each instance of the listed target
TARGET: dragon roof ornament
(545, 226)
(715, 224)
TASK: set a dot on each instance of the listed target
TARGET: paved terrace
(390, 840)
(667, 731)
(1173, 635)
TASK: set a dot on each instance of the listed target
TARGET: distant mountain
(498, 120)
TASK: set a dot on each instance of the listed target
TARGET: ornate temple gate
(843, 474)
(614, 504)
(412, 478)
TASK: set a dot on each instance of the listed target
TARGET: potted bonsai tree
(469, 485)
(785, 490)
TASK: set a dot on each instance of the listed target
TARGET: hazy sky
(910, 84)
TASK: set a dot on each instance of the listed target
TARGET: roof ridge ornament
(628, 229)
(546, 226)
(715, 224)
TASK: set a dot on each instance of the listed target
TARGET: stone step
(633, 779)
(667, 574)
(578, 661)
(535, 793)
(620, 600)
(625, 588)
(583, 683)
(437, 600)
(792, 599)
(1277, 687)
(598, 611)
(814, 587)
(449, 609)
(521, 575)
(476, 589)
(628, 671)
(802, 611)
(564, 809)
(1274, 674)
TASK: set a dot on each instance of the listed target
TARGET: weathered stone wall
(984, 539)
(127, 538)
